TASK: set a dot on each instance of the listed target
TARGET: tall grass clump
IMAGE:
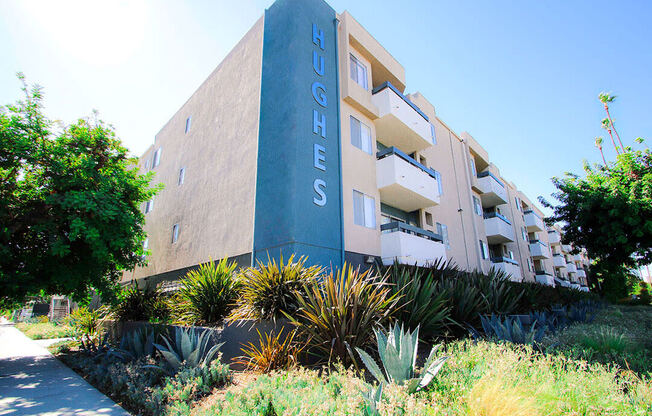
(339, 312)
(273, 352)
(141, 304)
(207, 294)
(269, 289)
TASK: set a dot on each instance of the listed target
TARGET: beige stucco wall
(215, 205)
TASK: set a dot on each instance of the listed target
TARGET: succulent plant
(398, 355)
(511, 329)
(188, 348)
(136, 344)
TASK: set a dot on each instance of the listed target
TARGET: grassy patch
(45, 330)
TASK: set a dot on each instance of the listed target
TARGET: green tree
(70, 218)
(609, 212)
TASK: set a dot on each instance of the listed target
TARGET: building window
(477, 206)
(359, 72)
(518, 203)
(147, 164)
(429, 219)
(149, 206)
(510, 253)
(484, 250)
(440, 186)
(360, 135)
(364, 210)
(182, 175)
(157, 158)
(146, 244)
(188, 121)
(175, 233)
(432, 133)
(474, 172)
(524, 235)
(529, 265)
(442, 230)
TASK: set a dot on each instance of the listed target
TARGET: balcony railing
(539, 249)
(533, 222)
(544, 277)
(558, 260)
(508, 266)
(498, 228)
(400, 122)
(493, 191)
(405, 183)
(408, 244)
(554, 237)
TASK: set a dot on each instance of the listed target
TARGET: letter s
(319, 186)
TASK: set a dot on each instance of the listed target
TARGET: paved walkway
(34, 382)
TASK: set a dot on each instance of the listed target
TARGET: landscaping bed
(46, 329)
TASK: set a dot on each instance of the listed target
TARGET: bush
(207, 294)
(135, 304)
(271, 353)
(268, 290)
(424, 303)
(86, 322)
(340, 312)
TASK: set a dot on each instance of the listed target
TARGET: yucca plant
(207, 294)
(272, 353)
(188, 348)
(424, 303)
(466, 301)
(339, 312)
(398, 355)
(268, 290)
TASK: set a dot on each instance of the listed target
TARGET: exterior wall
(219, 155)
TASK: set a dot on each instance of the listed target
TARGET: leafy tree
(609, 211)
(69, 204)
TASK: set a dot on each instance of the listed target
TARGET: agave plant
(268, 289)
(398, 354)
(425, 303)
(188, 348)
(512, 329)
(136, 344)
(207, 294)
(339, 312)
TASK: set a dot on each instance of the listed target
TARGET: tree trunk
(606, 108)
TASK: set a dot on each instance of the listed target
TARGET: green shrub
(268, 290)
(136, 304)
(272, 353)
(340, 312)
(86, 322)
(207, 294)
(501, 294)
(423, 303)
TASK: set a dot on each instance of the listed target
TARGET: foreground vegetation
(42, 328)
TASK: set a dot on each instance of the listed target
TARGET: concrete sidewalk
(34, 382)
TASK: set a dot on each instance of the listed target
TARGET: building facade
(304, 140)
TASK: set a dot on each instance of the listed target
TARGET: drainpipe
(459, 200)
(336, 23)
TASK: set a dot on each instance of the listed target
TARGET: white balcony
(539, 250)
(584, 288)
(409, 245)
(559, 261)
(554, 237)
(400, 122)
(493, 190)
(545, 278)
(575, 286)
(562, 282)
(404, 183)
(533, 222)
(571, 267)
(509, 267)
(581, 273)
(566, 248)
(498, 229)
(577, 257)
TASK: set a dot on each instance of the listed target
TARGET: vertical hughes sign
(298, 184)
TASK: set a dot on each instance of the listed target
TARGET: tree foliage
(70, 197)
(608, 211)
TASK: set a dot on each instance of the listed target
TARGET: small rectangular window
(524, 235)
(360, 135)
(477, 206)
(432, 134)
(157, 158)
(358, 72)
(147, 164)
(149, 206)
(440, 185)
(484, 250)
(188, 121)
(429, 219)
(474, 172)
(518, 203)
(182, 175)
(442, 230)
(364, 210)
(175, 233)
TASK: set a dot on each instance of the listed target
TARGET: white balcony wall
(511, 269)
(581, 273)
(559, 261)
(405, 186)
(577, 257)
(498, 231)
(566, 248)
(554, 238)
(571, 267)
(399, 124)
(410, 249)
(545, 279)
(492, 192)
(539, 251)
(533, 222)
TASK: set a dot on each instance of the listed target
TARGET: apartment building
(304, 140)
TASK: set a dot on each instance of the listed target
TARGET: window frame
(353, 60)
(175, 233)
(156, 159)
(368, 207)
(484, 250)
(188, 124)
(477, 206)
(149, 205)
(182, 176)
(359, 128)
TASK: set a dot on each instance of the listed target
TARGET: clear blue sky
(521, 77)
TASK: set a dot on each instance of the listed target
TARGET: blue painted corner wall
(298, 185)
